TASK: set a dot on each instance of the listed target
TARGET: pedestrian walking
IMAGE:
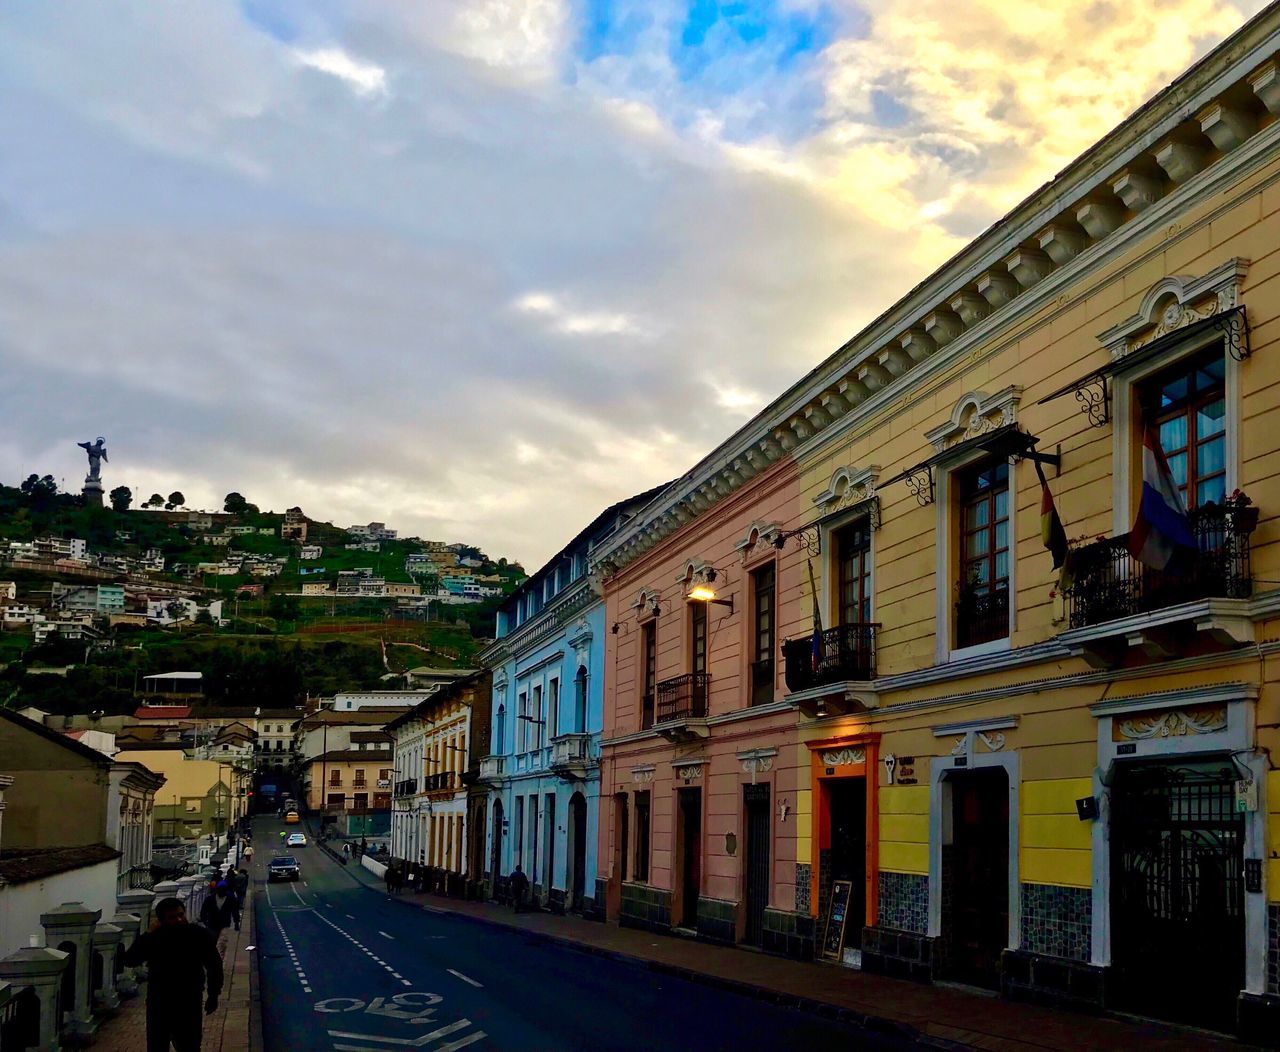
(219, 912)
(364, 847)
(346, 850)
(519, 888)
(183, 961)
(248, 854)
(390, 877)
(240, 885)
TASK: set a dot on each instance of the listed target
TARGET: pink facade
(700, 765)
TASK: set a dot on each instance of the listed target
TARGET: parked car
(296, 840)
(283, 867)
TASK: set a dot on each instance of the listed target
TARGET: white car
(296, 840)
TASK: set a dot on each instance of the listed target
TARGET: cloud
(460, 269)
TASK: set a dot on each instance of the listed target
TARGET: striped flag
(815, 641)
(1051, 531)
(1162, 527)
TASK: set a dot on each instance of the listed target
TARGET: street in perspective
(590, 526)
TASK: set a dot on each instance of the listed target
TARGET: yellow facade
(198, 797)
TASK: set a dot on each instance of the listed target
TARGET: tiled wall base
(717, 920)
(594, 909)
(904, 902)
(556, 901)
(789, 934)
(1273, 947)
(1058, 981)
(1057, 921)
(902, 954)
(645, 907)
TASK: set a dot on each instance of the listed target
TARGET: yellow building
(1061, 792)
(198, 797)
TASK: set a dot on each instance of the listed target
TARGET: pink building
(700, 762)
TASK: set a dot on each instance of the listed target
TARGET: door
(755, 799)
(495, 851)
(690, 834)
(978, 873)
(578, 850)
(1177, 892)
(847, 801)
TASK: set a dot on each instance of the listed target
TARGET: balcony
(492, 769)
(831, 675)
(406, 787)
(982, 613)
(682, 706)
(1115, 605)
(441, 782)
(571, 757)
(359, 783)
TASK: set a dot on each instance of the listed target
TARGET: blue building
(543, 768)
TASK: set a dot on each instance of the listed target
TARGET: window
(641, 870)
(649, 648)
(522, 721)
(763, 588)
(982, 605)
(335, 777)
(519, 829)
(553, 708)
(853, 555)
(580, 700)
(500, 730)
(698, 637)
(539, 719)
(1188, 406)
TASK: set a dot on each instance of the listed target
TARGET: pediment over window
(646, 599)
(848, 487)
(977, 414)
(696, 571)
(1175, 303)
(760, 534)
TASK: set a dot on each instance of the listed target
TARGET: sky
(480, 268)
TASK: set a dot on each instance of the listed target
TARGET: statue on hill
(97, 452)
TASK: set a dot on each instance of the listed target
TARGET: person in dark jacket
(219, 912)
(519, 888)
(182, 961)
(240, 885)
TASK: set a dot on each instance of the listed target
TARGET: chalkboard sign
(837, 917)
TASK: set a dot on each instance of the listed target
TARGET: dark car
(283, 867)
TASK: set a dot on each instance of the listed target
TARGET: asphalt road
(344, 968)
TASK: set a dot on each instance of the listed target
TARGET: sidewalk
(227, 1030)
(942, 1012)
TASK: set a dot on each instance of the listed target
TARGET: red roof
(162, 712)
(77, 735)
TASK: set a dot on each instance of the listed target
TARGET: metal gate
(755, 799)
(1177, 892)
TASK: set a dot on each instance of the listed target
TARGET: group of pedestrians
(185, 959)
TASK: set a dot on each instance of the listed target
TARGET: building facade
(434, 749)
(1054, 784)
(543, 769)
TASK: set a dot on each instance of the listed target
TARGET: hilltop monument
(97, 452)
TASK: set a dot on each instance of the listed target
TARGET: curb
(255, 980)
(810, 1005)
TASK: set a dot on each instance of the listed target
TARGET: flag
(1051, 531)
(815, 641)
(1162, 526)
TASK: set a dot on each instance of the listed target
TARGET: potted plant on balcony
(1244, 512)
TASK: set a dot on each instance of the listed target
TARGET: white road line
(470, 1039)
(465, 978)
(385, 935)
(348, 916)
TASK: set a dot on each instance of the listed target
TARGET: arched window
(580, 700)
(500, 730)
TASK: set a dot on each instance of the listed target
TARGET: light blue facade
(543, 767)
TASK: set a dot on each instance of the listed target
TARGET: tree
(39, 491)
(235, 504)
(121, 498)
(153, 501)
(175, 499)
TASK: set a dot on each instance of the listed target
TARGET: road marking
(432, 909)
(361, 946)
(465, 978)
(348, 916)
(385, 935)
(416, 1042)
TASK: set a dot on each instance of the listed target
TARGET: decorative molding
(1214, 694)
(842, 757)
(848, 487)
(994, 742)
(760, 532)
(1173, 723)
(687, 770)
(1174, 303)
(695, 570)
(976, 414)
(998, 723)
(642, 775)
(960, 745)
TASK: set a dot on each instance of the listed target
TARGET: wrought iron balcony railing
(1107, 583)
(683, 697)
(762, 681)
(442, 781)
(406, 787)
(982, 613)
(840, 654)
(137, 878)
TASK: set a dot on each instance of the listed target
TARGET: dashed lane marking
(293, 958)
(385, 935)
(465, 978)
(363, 949)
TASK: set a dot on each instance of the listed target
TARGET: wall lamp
(702, 593)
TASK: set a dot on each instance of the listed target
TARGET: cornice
(568, 604)
(1120, 189)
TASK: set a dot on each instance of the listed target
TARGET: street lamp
(704, 593)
